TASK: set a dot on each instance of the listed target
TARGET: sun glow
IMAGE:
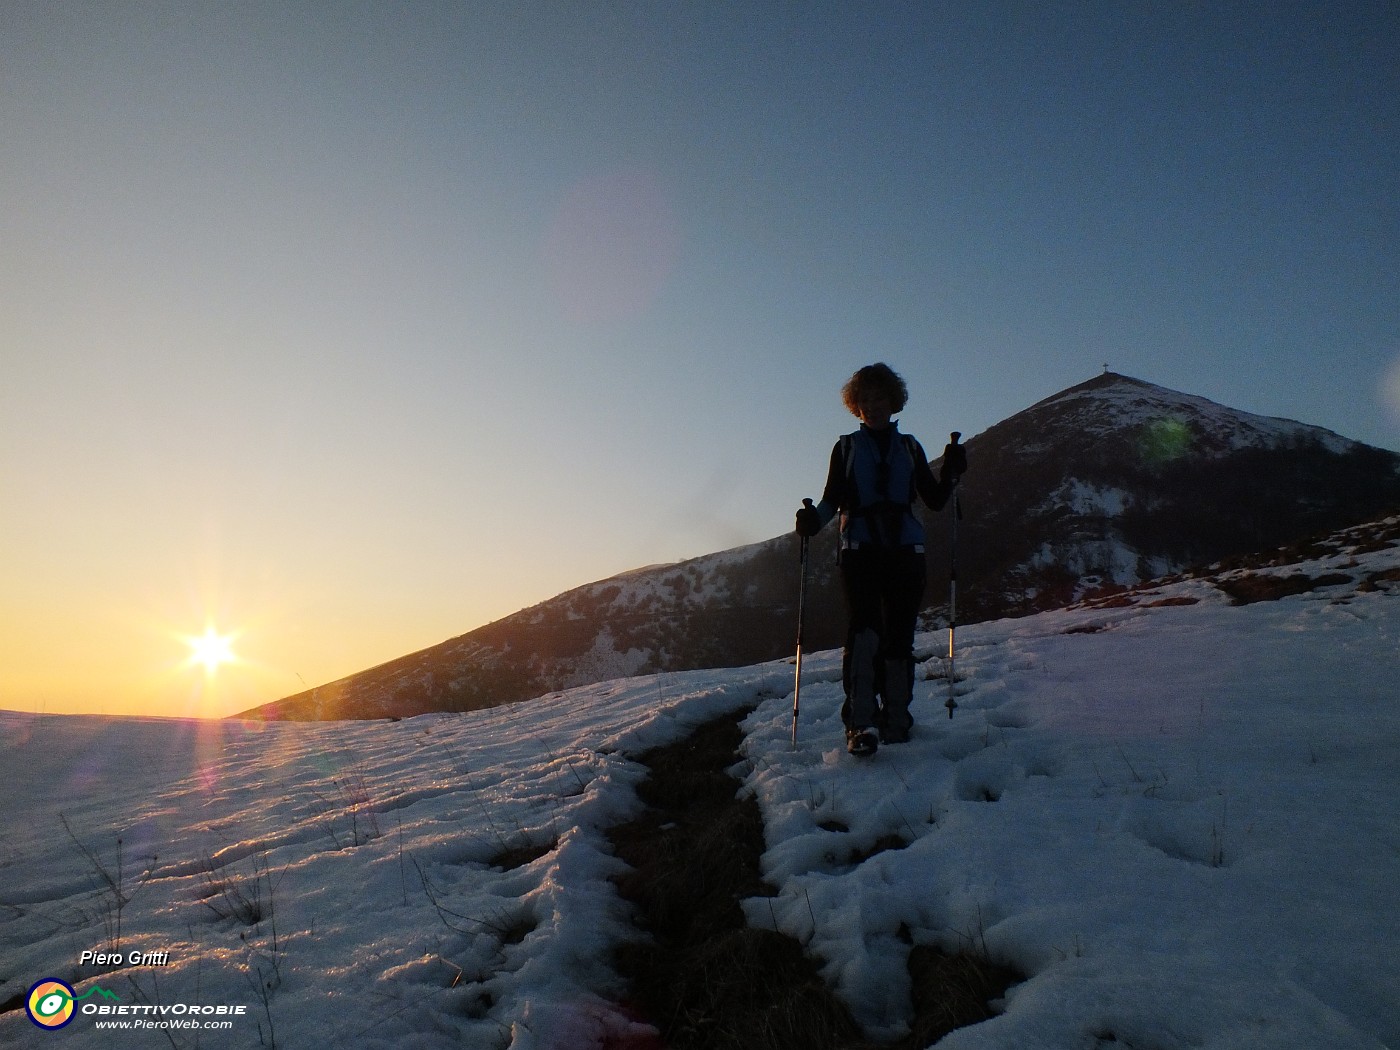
(211, 649)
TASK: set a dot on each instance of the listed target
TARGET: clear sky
(340, 328)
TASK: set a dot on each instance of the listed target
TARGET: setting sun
(211, 649)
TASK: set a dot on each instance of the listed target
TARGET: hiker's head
(875, 390)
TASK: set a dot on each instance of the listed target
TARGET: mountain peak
(1109, 379)
(1114, 403)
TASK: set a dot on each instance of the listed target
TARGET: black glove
(809, 520)
(954, 463)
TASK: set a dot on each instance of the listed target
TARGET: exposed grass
(1255, 587)
(950, 992)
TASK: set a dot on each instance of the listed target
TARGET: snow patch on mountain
(605, 660)
(1086, 498)
(1094, 562)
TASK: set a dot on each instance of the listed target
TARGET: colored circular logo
(50, 1003)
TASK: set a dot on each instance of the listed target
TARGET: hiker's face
(875, 409)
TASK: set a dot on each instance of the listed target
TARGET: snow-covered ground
(1176, 816)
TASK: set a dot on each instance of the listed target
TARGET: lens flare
(1164, 440)
(1390, 390)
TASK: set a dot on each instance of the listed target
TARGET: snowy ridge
(1113, 403)
(713, 578)
(1171, 808)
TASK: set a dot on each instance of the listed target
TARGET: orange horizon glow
(164, 648)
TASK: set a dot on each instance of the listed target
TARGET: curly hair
(877, 378)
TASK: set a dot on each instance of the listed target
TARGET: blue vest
(878, 510)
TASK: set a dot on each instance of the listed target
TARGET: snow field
(371, 847)
(1175, 820)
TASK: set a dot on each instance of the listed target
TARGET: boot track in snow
(702, 977)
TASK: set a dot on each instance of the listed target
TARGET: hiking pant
(884, 588)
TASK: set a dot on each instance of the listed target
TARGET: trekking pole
(953, 588)
(801, 603)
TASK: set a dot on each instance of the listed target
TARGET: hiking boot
(862, 742)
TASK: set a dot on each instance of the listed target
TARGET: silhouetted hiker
(876, 473)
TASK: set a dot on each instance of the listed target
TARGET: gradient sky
(349, 327)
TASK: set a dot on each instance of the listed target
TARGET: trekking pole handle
(802, 592)
(807, 504)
